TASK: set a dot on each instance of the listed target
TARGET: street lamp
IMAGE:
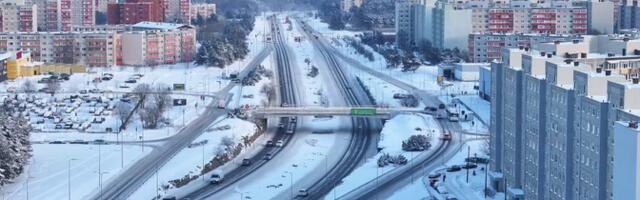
(69, 177)
(291, 178)
(100, 181)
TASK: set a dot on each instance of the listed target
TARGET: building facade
(202, 9)
(178, 11)
(552, 109)
(486, 47)
(61, 15)
(18, 18)
(135, 11)
(346, 5)
(151, 46)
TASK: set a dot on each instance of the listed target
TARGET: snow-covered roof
(5, 55)
(159, 26)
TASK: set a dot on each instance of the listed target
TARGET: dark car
(454, 168)
(268, 156)
(442, 106)
(131, 81)
(269, 143)
(56, 142)
(246, 162)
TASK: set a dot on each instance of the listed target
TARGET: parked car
(268, 156)
(280, 143)
(131, 81)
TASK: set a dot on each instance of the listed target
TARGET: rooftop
(159, 26)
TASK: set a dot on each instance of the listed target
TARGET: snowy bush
(386, 159)
(14, 146)
(416, 143)
(154, 105)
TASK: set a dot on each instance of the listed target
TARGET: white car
(280, 143)
(216, 177)
(303, 193)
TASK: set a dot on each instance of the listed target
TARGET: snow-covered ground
(49, 162)
(189, 160)
(479, 106)
(48, 172)
(395, 131)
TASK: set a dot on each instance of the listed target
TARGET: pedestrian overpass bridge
(378, 112)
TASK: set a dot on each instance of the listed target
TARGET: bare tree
(269, 91)
(122, 111)
(28, 86)
(141, 91)
(53, 87)
(155, 104)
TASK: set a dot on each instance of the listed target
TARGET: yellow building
(21, 65)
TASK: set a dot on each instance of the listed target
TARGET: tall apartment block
(178, 11)
(202, 9)
(61, 15)
(552, 115)
(135, 11)
(18, 18)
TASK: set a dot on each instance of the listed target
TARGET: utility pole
(467, 163)
(486, 174)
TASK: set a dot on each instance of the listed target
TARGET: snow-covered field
(395, 131)
(47, 175)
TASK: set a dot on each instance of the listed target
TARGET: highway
(361, 137)
(444, 151)
(128, 181)
(288, 96)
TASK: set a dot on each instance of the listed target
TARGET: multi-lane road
(288, 97)
(127, 182)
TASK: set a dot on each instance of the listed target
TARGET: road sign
(363, 111)
(178, 86)
(179, 102)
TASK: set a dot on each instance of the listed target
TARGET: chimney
(543, 54)
(520, 47)
(576, 63)
(526, 49)
(583, 55)
(635, 80)
(607, 72)
(598, 70)
(554, 53)
(633, 124)
(549, 55)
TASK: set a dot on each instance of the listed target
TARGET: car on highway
(268, 156)
(280, 143)
(290, 131)
(442, 106)
(280, 125)
(269, 143)
(216, 177)
(303, 193)
(246, 162)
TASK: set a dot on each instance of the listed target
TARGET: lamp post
(290, 178)
(69, 177)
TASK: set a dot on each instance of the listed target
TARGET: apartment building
(346, 5)
(144, 44)
(452, 24)
(135, 11)
(60, 15)
(18, 17)
(629, 15)
(178, 11)
(552, 112)
(487, 47)
(202, 9)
